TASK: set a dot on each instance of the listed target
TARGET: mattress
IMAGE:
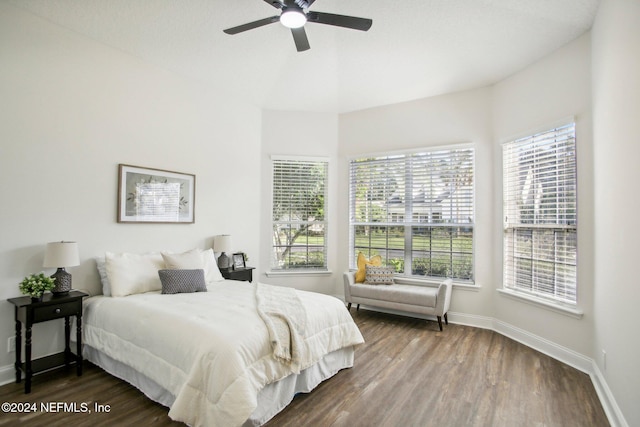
(207, 355)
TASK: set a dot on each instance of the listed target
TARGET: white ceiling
(415, 48)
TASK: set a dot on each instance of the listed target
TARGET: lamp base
(224, 262)
(63, 282)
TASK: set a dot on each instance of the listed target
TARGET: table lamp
(222, 244)
(61, 255)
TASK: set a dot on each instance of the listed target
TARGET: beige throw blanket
(285, 318)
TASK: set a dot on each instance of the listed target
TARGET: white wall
(300, 134)
(556, 87)
(616, 130)
(70, 111)
(449, 119)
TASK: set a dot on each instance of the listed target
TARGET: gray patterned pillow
(375, 275)
(182, 281)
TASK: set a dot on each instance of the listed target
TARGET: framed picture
(155, 195)
(238, 260)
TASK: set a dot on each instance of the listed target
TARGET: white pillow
(190, 260)
(195, 259)
(211, 270)
(104, 278)
(133, 273)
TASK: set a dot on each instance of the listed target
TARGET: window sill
(430, 282)
(273, 273)
(543, 303)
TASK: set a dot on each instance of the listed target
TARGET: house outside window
(540, 214)
(299, 241)
(416, 210)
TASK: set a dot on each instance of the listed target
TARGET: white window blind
(416, 210)
(540, 214)
(299, 205)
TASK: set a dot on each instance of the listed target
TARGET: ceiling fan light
(293, 18)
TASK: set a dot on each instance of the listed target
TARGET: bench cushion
(405, 294)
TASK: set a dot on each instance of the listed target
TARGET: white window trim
(454, 146)
(569, 309)
(300, 158)
(471, 284)
(310, 271)
(281, 273)
(539, 129)
(555, 306)
(433, 282)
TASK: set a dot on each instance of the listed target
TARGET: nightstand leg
(18, 350)
(79, 343)
(67, 339)
(27, 355)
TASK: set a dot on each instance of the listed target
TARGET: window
(299, 205)
(416, 210)
(540, 218)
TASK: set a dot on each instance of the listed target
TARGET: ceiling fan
(295, 13)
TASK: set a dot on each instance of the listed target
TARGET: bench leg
(440, 322)
(358, 307)
(349, 306)
(446, 320)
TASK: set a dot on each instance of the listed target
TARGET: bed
(234, 355)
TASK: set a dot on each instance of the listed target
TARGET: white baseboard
(558, 352)
(565, 355)
(611, 408)
(7, 374)
(474, 320)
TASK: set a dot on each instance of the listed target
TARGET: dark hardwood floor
(406, 374)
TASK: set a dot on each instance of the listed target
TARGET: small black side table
(242, 274)
(50, 308)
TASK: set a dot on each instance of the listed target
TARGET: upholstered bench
(419, 299)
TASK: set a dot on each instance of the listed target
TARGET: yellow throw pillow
(375, 260)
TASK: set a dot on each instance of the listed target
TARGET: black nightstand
(50, 308)
(241, 274)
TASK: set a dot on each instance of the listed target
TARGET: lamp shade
(222, 243)
(61, 254)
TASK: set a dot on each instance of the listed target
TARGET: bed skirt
(271, 399)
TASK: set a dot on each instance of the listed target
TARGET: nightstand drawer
(55, 311)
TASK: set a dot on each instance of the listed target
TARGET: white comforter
(209, 349)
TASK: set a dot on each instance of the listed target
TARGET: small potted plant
(36, 285)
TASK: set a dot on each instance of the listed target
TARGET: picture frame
(238, 261)
(147, 195)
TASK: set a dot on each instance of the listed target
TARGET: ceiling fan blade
(280, 4)
(252, 25)
(362, 24)
(300, 37)
(275, 3)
